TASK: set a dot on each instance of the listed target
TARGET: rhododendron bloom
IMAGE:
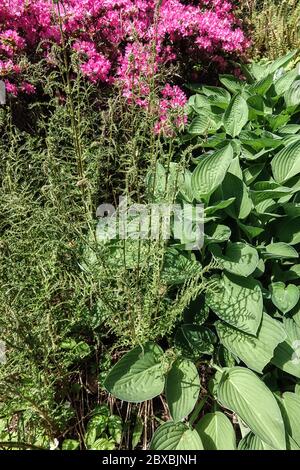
(121, 41)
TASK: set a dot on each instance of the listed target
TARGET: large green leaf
(176, 436)
(292, 95)
(281, 61)
(216, 432)
(232, 83)
(284, 297)
(286, 163)
(287, 354)
(288, 230)
(177, 268)
(234, 186)
(285, 81)
(239, 258)
(202, 124)
(210, 172)
(218, 206)
(291, 415)
(238, 301)
(194, 340)
(236, 115)
(139, 375)
(255, 352)
(261, 86)
(280, 250)
(216, 233)
(253, 442)
(182, 388)
(243, 392)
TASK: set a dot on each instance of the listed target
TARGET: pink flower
(11, 88)
(118, 41)
(27, 88)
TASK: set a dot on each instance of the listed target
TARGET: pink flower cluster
(124, 41)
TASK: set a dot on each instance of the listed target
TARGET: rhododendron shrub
(124, 41)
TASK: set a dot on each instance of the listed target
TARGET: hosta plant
(230, 374)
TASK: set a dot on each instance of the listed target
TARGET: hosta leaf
(291, 415)
(261, 86)
(285, 82)
(216, 233)
(196, 312)
(292, 274)
(201, 125)
(218, 206)
(292, 95)
(194, 340)
(239, 258)
(216, 92)
(236, 115)
(290, 129)
(241, 391)
(280, 251)
(255, 352)
(292, 209)
(234, 186)
(284, 297)
(139, 375)
(210, 172)
(282, 61)
(232, 83)
(256, 106)
(177, 268)
(252, 172)
(185, 186)
(251, 231)
(288, 231)
(287, 354)
(216, 432)
(253, 442)
(238, 301)
(260, 144)
(176, 436)
(182, 388)
(286, 163)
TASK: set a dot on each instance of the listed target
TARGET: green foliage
(245, 324)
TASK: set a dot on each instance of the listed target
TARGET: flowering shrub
(115, 40)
